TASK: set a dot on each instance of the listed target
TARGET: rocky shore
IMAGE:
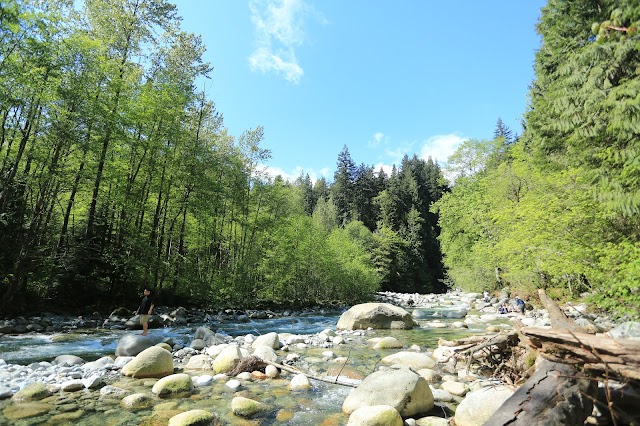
(154, 381)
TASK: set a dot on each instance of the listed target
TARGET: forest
(117, 173)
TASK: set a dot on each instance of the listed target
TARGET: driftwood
(617, 358)
(553, 396)
(320, 379)
(558, 319)
(558, 393)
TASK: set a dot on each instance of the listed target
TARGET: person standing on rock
(144, 310)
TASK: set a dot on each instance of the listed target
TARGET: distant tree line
(117, 173)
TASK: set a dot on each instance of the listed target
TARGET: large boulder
(401, 388)
(414, 360)
(378, 415)
(375, 315)
(476, 408)
(152, 362)
(155, 321)
(133, 344)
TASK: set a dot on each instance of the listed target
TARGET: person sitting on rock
(503, 309)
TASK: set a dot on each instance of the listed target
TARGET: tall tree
(342, 189)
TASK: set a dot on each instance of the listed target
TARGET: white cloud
(378, 138)
(295, 173)
(440, 147)
(279, 31)
(385, 167)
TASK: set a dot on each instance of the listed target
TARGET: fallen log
(615, 358)
(557, 393)
(553, 396)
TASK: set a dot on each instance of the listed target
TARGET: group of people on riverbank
(515, 305)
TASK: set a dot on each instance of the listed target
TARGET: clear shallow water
(320, 406)
(94, 343)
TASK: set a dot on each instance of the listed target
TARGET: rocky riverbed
(153, 380)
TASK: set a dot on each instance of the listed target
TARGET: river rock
(204, 380)
(249, 408)
(26, 410)
(455, 388)
(377, 415)
(68, 360)
(133, 323)
(227, 359)
(271, 371)
(5, 392)
(270, 340)
(299, 382)
(110, 391)
(406, 391)
(194, 418)
(136, 401)
(432, 421)
(198, 344)
(173, 385)
(133, 344)
(476, 408)
(32, 392)
(414, 360)
(429, 375)
(72, 385)
(199, 362)
(266, 353)
(375, 315)
(388, 342)
(626, 330)
(152, 362)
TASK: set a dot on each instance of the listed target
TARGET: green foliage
(559, 208)
(306, 265)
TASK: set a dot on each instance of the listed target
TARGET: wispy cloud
(440, 147)
(279, 28)
(294, 174)
(378, 138)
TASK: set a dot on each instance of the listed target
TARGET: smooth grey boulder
(401, 388)
(133, 344)
(270, 340)
(68, 360)
(626, 330)
(375, 315)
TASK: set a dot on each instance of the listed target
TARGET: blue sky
(386, 78)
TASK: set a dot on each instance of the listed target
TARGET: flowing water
(319, 406)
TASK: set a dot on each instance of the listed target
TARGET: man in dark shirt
(144, 310)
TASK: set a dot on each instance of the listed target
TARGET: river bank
(92, 392)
